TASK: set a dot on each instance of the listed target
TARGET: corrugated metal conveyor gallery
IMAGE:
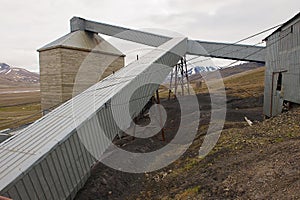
(48, 160)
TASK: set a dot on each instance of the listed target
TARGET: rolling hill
(17, 77)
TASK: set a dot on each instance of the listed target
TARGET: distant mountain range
(197, 70)
(211, 72)
(201, 69)
(13, 76)
(226, 71)
(19, 77)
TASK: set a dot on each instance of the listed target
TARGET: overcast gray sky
(29, 25)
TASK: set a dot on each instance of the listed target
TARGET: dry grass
(243, 85)
(246, 84)
(17, 109)
(16, 99)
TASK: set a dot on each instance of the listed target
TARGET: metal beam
(118, 32)
(226, 51)
(194, 47)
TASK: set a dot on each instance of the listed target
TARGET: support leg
(170, 87)
(160, 117)
(182, 75)
(176, 77)
(187, 76)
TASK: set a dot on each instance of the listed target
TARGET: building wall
(283, 56)
(65, 72)
(50, 78)
(290, 56)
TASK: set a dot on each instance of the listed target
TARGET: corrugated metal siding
(283, 53)
(58, 175)
(48, 160)
(290, 53)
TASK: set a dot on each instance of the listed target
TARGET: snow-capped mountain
(196, 70)
(201, 69)
(17, 76)
(4, 66)
(212, 72)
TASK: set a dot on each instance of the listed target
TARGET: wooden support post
(160, 117)
(176, 77)
(170, 87)
(187, 76)
(182, 81)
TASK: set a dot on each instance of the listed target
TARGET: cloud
(229, 21)
(28, 25)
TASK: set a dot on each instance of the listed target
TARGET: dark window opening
(279, 82)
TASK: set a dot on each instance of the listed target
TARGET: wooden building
(72, 63)
(282, 76)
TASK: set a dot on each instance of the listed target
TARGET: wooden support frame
(180, 68)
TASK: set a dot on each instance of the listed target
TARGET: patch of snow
(4, 66)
